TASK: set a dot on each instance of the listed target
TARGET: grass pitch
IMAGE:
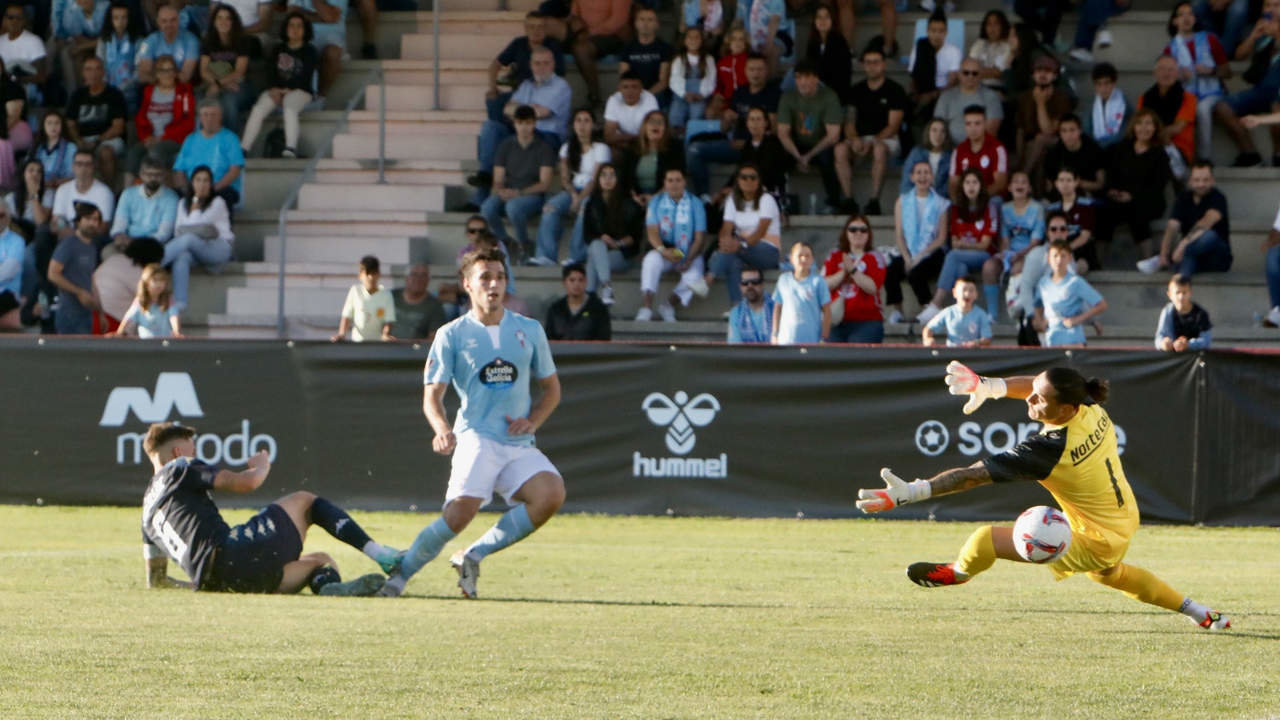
(625, 617)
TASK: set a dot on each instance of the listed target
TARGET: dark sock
(338, 523)
(321, 577)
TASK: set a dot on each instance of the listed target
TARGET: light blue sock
(425, 547)
(510, 529)
(992, 293)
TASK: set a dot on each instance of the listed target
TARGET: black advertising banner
(701, 429)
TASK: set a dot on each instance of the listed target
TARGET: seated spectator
(169, 39)
(1111, 111)
(153, 312)
(1255, 100)
(1271, 251)
(693, 80)
(1076, 150)
(1039, 110)
(580, 155)
(981, 151)
(118, 49)
(920, 227)
(165, 118)
(764, 150)
(368, 312)
(1197, 237)
(224, 65)
(12, 252)
(769, 31)
(1022, 228)
(1136, 183)
(626, 110)
(676, 225)
(53, 150)
(115, 282)
(146, 210)
(955, 102)
(201, 233)
(419, 313)
(23, 53)
(1065, 301)
(579, 315)
(809, 128)
(597, 28)
(1082, 221)
(935, 149)
(1183, 325)
(828, 51)
(731, 71)
(1202, 67)
(71, 271)
(965, 324)
(1224, 18)
(934, 65)
(95, 118)
(329, 23)
(888, 39)
(758, 92)
(522, 169)
(879, 106)
(30, 204)
(976, 243)
(217, 148)
(1175, 108)
(15, 106)
(648, 56)
(548, 96)
(751, 320)
(992, 50)
(613, 226)
(645, 162)
(83, 188)
(513, 63)
(750, 235)
(854, 273)
(76, 35)
(290, 68)
(1092, 26)
(801, 302)
(1259, 45)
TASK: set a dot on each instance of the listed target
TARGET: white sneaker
(1273, 317)
(895, 317)
(644, 314)
(928, 313)
(1104, 39)
(606, 294)
(667, 312)
(1081, 55)
(468, 572)
(542, 261)
(1149, 266)
(699, 287)
(928, 5)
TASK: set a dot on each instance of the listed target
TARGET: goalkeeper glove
(896, 493)
(963, 381)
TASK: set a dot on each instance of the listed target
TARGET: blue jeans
(703, 153)
(602, 263)
(518, 210)
(1273, 275)
(491, 136)
(549, 229)
(960, 263)
(1209, 253)
(1093, 15)
(858, 331)
(682, 111)
(181, 251)
(495, 106)
(1232, 29)
(728, 266)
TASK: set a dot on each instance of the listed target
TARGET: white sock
(376, 550)
(1194, 610)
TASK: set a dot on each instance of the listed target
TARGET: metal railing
(291, 198)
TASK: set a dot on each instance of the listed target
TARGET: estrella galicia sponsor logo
(973, 439)
(681, 416)
(499, 374)
(176, 391)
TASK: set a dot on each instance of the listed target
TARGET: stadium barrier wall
(642, 428)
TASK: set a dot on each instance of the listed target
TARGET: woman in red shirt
(731, 71)
(169, 107)
(975, 241)
(855, 273)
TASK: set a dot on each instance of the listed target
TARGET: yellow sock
(978, 553)
(1141, 585)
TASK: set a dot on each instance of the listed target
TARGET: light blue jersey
(1062, 300)
(802, 302)
(961, 327)
(1022, 230)
(492, 377)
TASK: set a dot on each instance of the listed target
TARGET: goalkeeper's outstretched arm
(899, 492)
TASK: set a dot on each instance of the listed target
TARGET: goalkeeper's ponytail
(1073, 389)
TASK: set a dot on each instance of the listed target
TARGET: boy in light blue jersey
(1065, 302)
(491, 356)
(964, 324)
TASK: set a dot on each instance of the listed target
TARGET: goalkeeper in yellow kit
(1075, 458)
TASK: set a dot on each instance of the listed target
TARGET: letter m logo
(173, 389)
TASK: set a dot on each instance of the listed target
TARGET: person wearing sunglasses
(954, 102)
(750, 321)
(749, 235)
(855, 273)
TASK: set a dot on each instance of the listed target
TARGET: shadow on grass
(1232, 633)
(615, 603)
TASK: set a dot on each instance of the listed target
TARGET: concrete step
(460, 46)
(422, 97)
(339, 249)
(371, 197)
(454, 147)
(1231, 298)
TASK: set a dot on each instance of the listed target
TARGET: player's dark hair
(475, 256)
(1202, 163)
(1060, 244)
(630, 75)
(1105, 70)
(524, 113)
(806, 67)
(1071, 118)
(370, 264)
(572, 268)
(1073, 389)
(1180, 280)
(161, 434)
(975, 110)
(967, 279)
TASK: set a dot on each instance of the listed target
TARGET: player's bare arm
(433, 407)
(959, 479)
(245, 481)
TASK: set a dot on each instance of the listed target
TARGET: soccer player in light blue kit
(491, 355)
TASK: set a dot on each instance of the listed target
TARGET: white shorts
(482, 466)
(893, 145)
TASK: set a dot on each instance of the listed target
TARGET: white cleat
(468, 572)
